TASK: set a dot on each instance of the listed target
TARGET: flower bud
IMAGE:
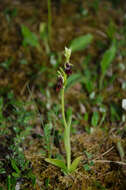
(68, 69)
(59, 84)
(67, 54)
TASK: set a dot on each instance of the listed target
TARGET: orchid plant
(63, 75)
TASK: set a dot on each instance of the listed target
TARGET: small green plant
(107, 59)
(62, 82)
(18, 174)
(95, 118)
(7, 63)
(29, 38)
(10, 14)
(17, 126)
(47, 138)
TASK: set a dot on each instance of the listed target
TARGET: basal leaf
(58, 163)
(81, 42)
(75, 164)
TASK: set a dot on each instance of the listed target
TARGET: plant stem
(63, 112)
(66, 133)
(49, 21)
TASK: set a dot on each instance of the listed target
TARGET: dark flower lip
(58, 87)
(68, 69)
(59, 84)
(60, 80)
(67, 65)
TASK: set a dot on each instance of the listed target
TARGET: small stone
(124, 104)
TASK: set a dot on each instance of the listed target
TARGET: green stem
(63, 112)
(66, 134)
(49, 20)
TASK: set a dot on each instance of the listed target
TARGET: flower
(68, 69)
(59, 84)
(67, 54)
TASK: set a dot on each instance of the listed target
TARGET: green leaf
(73, 79)
(29, 37)
(43, 30)
(91, 163)
(14, 166)
(6, 64)
(89, 155)
(58, 163)
(2, 171)
(120, 150)
(111, 30)
(89, 85)
(86, 116)
(75, 164)
(86, 167)
(47, 180)
(107, 59)
(9, 182)
(32, 177)
(81, 42)
(95, 118)
(14, 174)
(115, 111)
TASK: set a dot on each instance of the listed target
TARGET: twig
(105, 152)
(109, 161)
(108, 151)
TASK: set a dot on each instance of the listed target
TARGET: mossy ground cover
(31, 126)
